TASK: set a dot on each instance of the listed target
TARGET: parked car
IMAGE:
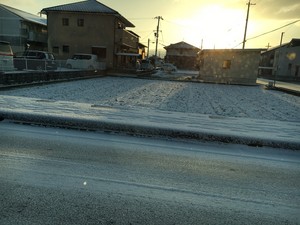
(35, 60)
(168, 67)
(6, 57)
(146, 65)
(83, 61)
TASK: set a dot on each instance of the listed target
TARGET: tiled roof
(26, 16)
(182, 45)
(88, 6)
(85, 6)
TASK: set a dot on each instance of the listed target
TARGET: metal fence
(25, 64)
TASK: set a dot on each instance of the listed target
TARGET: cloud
(282, 10)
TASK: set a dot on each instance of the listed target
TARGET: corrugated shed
(89, 6)
(26, 16)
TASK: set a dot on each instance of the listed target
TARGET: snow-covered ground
(213, 99)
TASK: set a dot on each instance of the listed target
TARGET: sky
(202, 23)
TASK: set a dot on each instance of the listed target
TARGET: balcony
(34, 36)
(126, 38)
(37, 37)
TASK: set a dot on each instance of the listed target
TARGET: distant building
(282, 62)
(182, 54)
(229, 66)
(22, 30)
(142, 50)
(91, 27)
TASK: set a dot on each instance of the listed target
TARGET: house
(229, 66)
(22, 30)
(182, 54)
(91, 27)
(142, 50)
(282, 62)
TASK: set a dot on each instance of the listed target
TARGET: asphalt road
(57, 176)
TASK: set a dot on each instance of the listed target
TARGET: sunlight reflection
(291, 55)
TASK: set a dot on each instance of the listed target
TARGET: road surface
(57, 176)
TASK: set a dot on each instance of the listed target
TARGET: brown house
(182, 54)
(91, 27)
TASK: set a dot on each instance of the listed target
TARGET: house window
(226, 64)
(99, 51)
(55, 50)
(65, 21)
(80, 22)
(102, 53)
(297, 71)
(66, 48)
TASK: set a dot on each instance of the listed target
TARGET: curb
(151, 130)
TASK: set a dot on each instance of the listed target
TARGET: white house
(22, 29)
(283, 61)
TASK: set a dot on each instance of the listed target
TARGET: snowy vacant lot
(212, 99)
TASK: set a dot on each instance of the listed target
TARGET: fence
(27, 64)
(42, 74)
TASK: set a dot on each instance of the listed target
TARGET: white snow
(212, 99)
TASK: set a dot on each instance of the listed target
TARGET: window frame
(80, 22)
(65, 22)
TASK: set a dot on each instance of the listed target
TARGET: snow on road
(212, 99)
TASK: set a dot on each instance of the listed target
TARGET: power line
(172, 22)
(273, 30)
(162, 36)
(268, 32)
(147, 35)
(140, 18)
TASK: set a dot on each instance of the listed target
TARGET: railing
(6, 65)
(36, 36)
(13, 78)
(25, 64)
(34, 64)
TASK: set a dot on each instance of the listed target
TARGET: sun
(215, 26)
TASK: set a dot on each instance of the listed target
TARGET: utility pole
(148, 48)
(157, 33)
(245, 33)
(277, 58)
(281, 38)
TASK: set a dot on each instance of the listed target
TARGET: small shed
(229, 66)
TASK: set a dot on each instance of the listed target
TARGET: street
(64, 176)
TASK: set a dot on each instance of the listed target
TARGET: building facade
(91, 27)
(182, 54)
(229, 66)
(22, 30)
(282, 62)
